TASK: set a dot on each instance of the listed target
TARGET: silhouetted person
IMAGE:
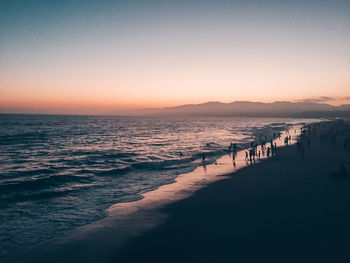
(203, 157)
(268, 152)
(180, 153)
(298, 146)
(259, 154)
(235, 148)
(272, 150)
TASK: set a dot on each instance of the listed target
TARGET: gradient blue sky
(100, 56)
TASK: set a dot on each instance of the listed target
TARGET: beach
(285, 209)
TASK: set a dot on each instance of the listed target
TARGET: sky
(84, 56)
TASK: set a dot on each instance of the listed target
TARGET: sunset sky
(81, 56)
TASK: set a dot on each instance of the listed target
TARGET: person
(246, 155)
(272, 150)
(298, 146)
(235, 148)
(259, 154)
(180, 153)
(203, 157)
(233, 156)
(268, 152)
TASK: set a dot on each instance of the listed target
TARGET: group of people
(267, 146)
(253, 152)
(287, 139)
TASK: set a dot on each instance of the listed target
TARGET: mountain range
(251, 109)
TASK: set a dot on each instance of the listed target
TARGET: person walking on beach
(203, 157)
(268, 152)
(272, 150)
(259, 154)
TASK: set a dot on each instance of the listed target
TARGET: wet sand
(284, 209)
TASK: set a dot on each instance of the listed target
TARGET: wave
(22, 138)
(32, 184)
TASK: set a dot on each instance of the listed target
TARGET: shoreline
(59, 211)
(287, 209)
(149, 208)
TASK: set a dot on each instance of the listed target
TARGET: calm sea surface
(59, 172)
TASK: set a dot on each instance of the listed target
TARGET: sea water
(58, 172)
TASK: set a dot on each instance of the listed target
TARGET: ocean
(58, 172)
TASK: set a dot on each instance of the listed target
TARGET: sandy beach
(285, 209)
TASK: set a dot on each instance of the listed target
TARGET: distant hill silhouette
(253, 109)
